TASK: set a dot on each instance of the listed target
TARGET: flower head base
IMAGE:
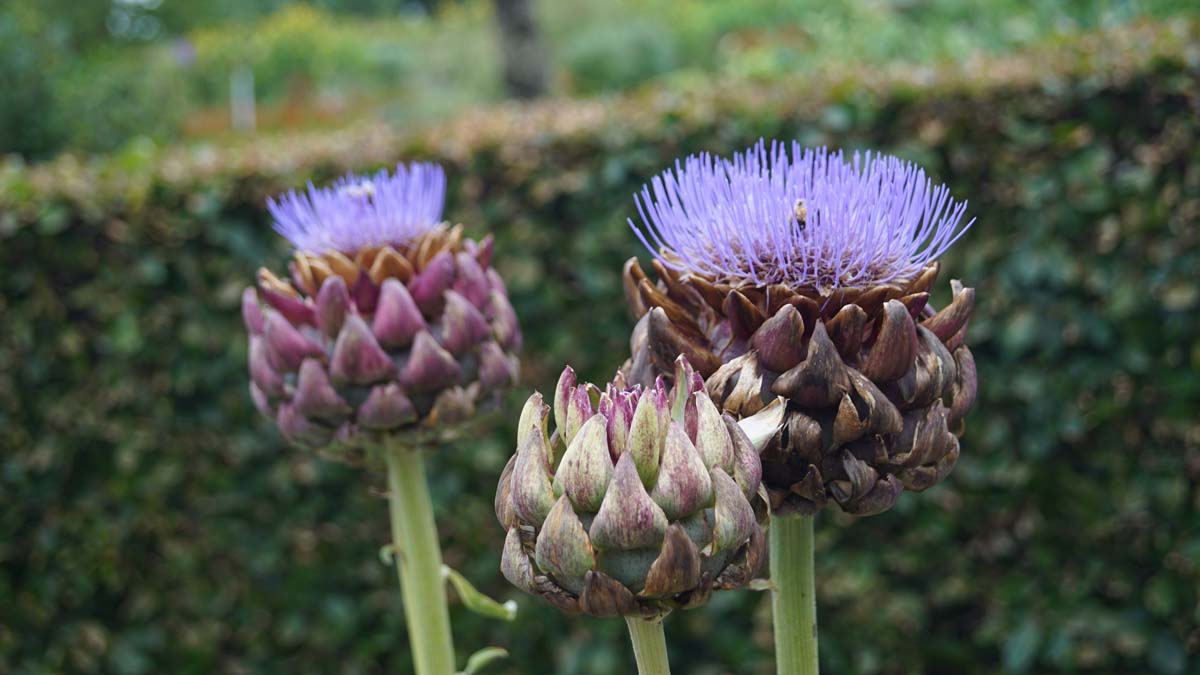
(356, 212)
(808, 218)
(643, 500)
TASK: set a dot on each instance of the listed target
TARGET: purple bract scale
(808, 217)
(361, 211)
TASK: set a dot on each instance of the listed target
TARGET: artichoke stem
(649, 645)
(418, 560)
(794, 600)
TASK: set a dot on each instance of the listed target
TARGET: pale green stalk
(649, 646)
(794, 599)
(418, 559)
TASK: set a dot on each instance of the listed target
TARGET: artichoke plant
(390, 332)
(641, 500)
(819, 335)
(798, 285)
(390, 323)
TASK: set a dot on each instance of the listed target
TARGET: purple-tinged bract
(808, 217)
(355, 212)
(641, 501)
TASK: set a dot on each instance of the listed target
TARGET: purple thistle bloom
(804, 218)
(360, 211)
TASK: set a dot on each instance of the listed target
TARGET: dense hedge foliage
(152, 523)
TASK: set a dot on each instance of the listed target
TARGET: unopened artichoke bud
(642, 499)
(798, 285)
(390, 321)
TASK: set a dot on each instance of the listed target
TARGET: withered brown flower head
(853, 386)
(407, 335)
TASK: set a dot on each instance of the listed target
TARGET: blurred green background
(92, 75)
(152, 523)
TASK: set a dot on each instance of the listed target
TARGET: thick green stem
(649, 646)
(794, 599)
(418, 559)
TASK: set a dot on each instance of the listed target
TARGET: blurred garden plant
(642, 500)
(797, 284)
(392, 333)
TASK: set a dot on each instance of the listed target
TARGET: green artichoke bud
(642, 500)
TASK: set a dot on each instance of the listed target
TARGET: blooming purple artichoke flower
(797, 284)
(808, 219)
(643, 499)
(392, 322)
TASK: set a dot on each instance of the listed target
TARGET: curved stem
(418, 560)
(794, 600)
(649, 646)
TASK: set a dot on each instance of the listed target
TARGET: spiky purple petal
(808, 217)
(359, 211)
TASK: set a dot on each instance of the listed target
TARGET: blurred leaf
(1021, 646)
(478, 602)
(480, 659)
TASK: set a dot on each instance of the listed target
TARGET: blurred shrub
(400, 63)
(27, 63)
(52, 101)
(614, 57)
(152, 524)
(100, 104)
(297, 46)
(620, 43)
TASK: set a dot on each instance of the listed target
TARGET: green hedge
(152, 523)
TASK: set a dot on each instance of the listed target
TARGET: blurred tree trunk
(522, 48)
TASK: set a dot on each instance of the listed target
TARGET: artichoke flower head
(641, 500)
(390, 322)
(797, 284)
